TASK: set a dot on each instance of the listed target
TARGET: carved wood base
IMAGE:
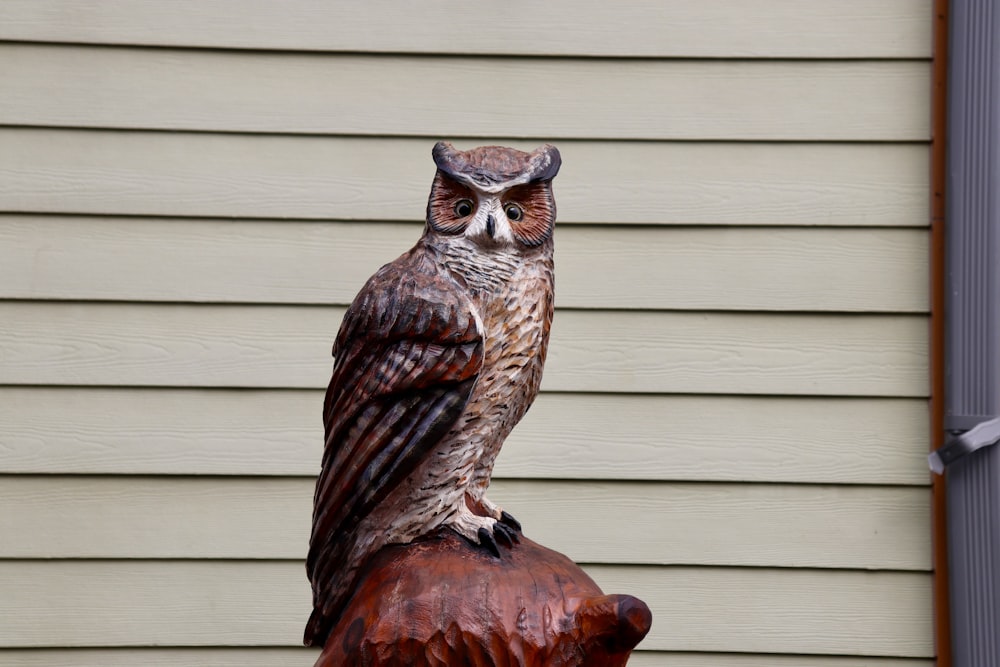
(443, 601)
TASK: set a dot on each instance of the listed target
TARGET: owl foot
(507, 520)
(501, 534)
(486, 540)
(484, 507)
(505, 534)
(483, 531)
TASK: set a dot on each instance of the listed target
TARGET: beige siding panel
(663, 659)
(595, 351)
(854, 527)
(265, 603)
(469, 97)
(191, 657)
(304, 657)
(155, 259)
(780, 611)
(710, 28)
(156, 173)
(588, 436)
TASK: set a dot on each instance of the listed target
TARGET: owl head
(493, 195)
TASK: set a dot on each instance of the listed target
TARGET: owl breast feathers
(437, 359)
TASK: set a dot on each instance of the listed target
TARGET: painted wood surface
(162, 431)
(856, 527)
(274, 346)
(264, 603)
(280, 176)
(710, 28)
(303, 657)
(534, 607)
(469, 97)
(827, 269)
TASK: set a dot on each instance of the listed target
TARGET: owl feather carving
(437, 359)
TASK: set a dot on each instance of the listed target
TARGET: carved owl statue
(438, 358)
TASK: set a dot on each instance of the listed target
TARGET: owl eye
(514, 212)
(463, 208)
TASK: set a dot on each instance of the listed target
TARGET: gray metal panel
(973, 326)
(974, 554)
(973, 227)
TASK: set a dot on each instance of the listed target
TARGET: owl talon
(505, 535)
(486, 540)
(507, 519)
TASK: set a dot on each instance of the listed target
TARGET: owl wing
(407, 357)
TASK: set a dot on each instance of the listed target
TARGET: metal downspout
(972, 333)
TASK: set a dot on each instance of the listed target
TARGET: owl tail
(334, 579)
(317, 629)
(324, 618)
(328, 606)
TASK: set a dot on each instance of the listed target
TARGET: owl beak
(491, 225)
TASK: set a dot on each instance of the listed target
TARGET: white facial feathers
(489, 224)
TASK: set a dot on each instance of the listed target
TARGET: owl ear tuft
(545, 163)
(445, 155)
(496, 168)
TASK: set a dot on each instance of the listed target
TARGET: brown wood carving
(443, 601)
(438, 357)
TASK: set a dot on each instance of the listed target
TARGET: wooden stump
(443, 601)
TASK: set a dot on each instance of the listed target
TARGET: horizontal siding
(599, 351)
(710, 28)
(264, 176)
(267, 432)
(469, 97)
(663, 659)
(742, 297)
(264, 603)
(769, 269)
(188, 657)
(303, 657)
(854, 527)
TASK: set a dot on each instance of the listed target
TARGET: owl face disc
(523, 214)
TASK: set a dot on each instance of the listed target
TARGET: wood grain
(653, 352)
(710, 28)
(589, 436)
(446, 601)
(856, 527)
(273, 176)
(264, 603)
(472, 97)
(152, 259)
(303, 657)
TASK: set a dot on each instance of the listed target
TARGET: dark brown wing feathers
(407, 356)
